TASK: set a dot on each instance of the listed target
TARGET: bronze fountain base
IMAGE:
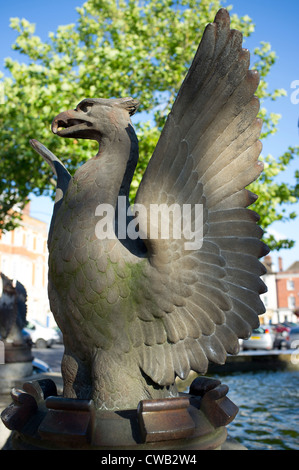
(41, 420)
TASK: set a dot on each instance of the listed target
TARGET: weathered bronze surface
(40, 421)
(13, 309)
(165, 419)
(136, 313)
(15, 349)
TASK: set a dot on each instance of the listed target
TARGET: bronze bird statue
(136, 313)
(13, 310)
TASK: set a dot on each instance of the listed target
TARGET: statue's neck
(131, 162)
(113, 167)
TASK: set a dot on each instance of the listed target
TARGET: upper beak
(61, 120)
(68, 123)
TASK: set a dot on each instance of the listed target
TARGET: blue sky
(276, 22)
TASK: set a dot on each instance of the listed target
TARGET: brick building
(24, 257)
(287, 286)
(270, 297)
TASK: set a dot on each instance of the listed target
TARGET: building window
(18, 237)
(38, 275)
(29, 244)
(290, 284)
(6, 238)
(39, 244)
(5, 266)
(291, 301)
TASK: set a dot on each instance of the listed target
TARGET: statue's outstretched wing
(61, 173)
(198, 302)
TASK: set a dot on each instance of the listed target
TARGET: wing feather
(204, 299)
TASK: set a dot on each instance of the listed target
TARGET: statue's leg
(118, 382)
(76, 377)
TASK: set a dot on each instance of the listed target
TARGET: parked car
(280, 328)
(261, 338)
(41, 336)
(294, 337)
(281, 342)
(282, 336)
(40, 366)
(59, 335)
(290, 324)
(27, 337)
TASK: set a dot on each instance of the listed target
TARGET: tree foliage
(116, 48)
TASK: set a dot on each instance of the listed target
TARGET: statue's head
(94, 118)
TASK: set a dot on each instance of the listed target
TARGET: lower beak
(62, 120)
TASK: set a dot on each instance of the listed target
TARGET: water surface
(268, 402)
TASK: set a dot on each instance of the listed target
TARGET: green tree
(117, 48)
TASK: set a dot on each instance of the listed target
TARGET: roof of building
(294, 268)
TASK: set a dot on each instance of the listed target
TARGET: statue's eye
(84, 106)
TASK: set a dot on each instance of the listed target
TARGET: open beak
(69, 124)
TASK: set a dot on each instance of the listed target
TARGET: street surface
(52, 356)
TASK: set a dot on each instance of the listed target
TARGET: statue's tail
(63, 176)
